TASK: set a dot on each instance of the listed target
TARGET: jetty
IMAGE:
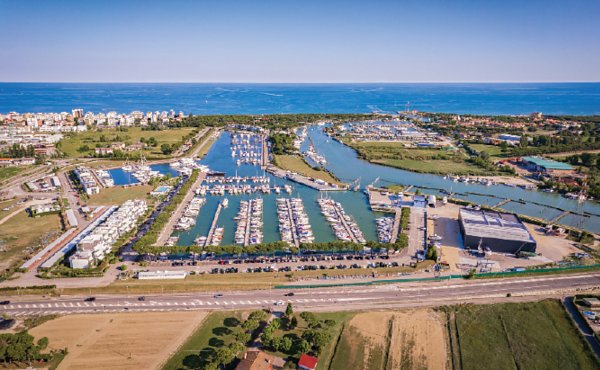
(213, 225)
(396, 225)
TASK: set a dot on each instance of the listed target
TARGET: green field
(22, 234)
(71, 145)
(8, 172)
(517, 336)
(297, 164)
(494, 151)
(118, 195)
(424, 160)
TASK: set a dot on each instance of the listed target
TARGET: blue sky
(300, 41)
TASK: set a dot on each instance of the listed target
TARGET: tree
(320, 340)
(275, 324)
(224, 355)
(286, 344)
(293, 322)
(303, 346)
(166, 149)
(250, 325)
(289, 310)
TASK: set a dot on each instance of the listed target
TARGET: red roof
(308, 362)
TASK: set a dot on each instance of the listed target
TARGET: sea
(232, 98)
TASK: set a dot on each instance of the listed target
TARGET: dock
(502, 202)
(265, 151)
(297, 178)
(557, 218)
(169, 227)
(345, 225)
(293, 223)
(247, 229)
(213, 225)
(396, 226)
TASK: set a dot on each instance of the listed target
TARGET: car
(290, 294)
(90, 299)
(278, 303)
(142, 298)
(4, 303)
(218, 295)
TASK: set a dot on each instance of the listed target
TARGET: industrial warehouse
(494, 231)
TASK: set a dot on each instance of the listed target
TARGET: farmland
(118, 341)
(392, 340)
(516, 336)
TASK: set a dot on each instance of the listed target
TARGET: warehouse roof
(490, 224)
(548, 163)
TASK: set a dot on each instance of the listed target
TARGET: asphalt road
(334, 298)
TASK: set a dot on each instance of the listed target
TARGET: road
(178, 213)
(334, 298)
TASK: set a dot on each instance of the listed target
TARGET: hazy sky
(300, 40)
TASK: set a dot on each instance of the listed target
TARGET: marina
(249, 222)
(294, 226)
(343, 225)
(246, 148)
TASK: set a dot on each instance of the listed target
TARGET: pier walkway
(396, 226)
(168, 229)
(345, 224)
(292, 223)
(503, 202)
(247, 230)
(213, 225)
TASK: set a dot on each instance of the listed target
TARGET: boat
(225, 203)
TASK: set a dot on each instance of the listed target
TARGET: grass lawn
(8, 172)
(494, 151)
(296, 164)
(11, 203)
(23, 234)
(536, 335)
(442, 167)
(425, 160)
(203, 341)
(118, 195)
(70, 145)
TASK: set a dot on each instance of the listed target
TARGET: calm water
(552, 98)
(218, 159)
(345, 164)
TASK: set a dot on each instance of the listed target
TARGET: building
(152, 275)
(500, 232)
(95, 245)
(539, 164)
(307, 362)
(258, 360)
(103, 151)
(87, 180)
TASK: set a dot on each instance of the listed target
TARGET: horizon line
(299, 83)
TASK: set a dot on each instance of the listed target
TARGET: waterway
(345, 164)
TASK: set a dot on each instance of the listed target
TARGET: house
(103, 151)
(259, 360)
(135, 147)
(118, 145)
(307, 362)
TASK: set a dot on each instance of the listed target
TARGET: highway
(332, 299)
